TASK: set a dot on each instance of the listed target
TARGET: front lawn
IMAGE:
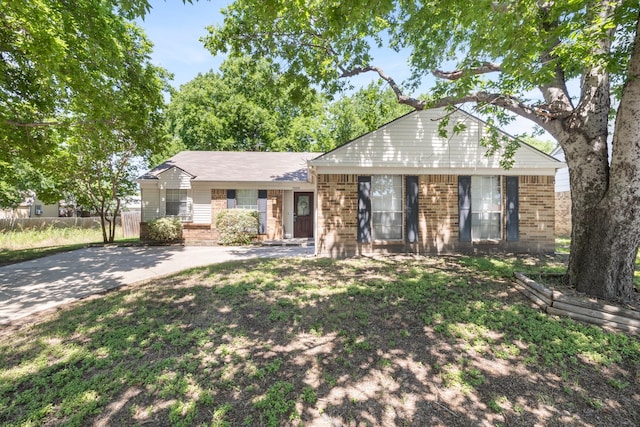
(395, 341)
(24, 245)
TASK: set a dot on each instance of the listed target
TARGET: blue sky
(175, 29)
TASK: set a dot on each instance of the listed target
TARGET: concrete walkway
(32, 286)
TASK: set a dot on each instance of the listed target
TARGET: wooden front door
(302, 214)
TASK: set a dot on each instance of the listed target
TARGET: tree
(99, 160)
(79, 101)
(501, 51)
(362, 112)
(249, 106)
(58, 62)
(544, 145)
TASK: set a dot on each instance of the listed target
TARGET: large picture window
(486, 208)
(386, 207)
(176, 204)
(247, 199)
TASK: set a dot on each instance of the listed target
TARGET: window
(486, 208)
(176, 204)
(386, 207)
(247, 199)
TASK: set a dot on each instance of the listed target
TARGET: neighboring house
(196, 185)
(563, 196)
(403, 187)
(32, 207)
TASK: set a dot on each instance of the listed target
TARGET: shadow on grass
(285, 342)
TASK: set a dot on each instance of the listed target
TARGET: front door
(302, 214)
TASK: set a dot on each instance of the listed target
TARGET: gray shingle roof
(238, 166)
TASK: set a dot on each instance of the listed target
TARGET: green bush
(165, 229)
(237, 226)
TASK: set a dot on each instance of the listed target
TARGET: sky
(175, 29)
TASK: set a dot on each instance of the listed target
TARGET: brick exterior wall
(437, 218)
(218, 203)
(438, 213)
(197, 234)
(563, 213)
(274, 215)
(337, 215)
(537, 214)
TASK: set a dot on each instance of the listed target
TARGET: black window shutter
(231, 199)
(262, 209)
(513, 222)
(464, 208)
(364, 209)
(411, 210)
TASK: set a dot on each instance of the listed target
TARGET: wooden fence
(130, 222)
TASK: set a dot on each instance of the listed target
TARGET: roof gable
(413, 141)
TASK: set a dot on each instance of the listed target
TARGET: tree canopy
(503, 57)
(252, 106)
(246, 106)
(62, 66)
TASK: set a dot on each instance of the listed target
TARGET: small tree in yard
(237, 226)
(96, 160)
(518, 57)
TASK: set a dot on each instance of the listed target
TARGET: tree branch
(402, 98)
(57, 123)
(32, 124)
(536, 114)
(485, 68)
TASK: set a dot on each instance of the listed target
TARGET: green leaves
(71, 75)
(250, 105)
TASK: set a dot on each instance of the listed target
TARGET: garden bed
(570, 303)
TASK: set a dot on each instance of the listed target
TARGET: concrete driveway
(32, 286)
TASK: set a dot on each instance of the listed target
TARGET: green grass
(289, 342)
(16, 246)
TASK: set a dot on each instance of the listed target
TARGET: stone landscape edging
(597, 313)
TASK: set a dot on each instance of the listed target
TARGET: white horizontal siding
(150, 204)
(413, 142)
(175, 179)
(562, 175)
(202, 206)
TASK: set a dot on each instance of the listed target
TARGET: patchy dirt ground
(388, 342)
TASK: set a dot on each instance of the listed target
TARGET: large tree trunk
(606, 201)
(602, 260)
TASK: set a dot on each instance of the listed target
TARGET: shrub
(237, 226)
(165, 229)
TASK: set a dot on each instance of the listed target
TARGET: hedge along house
(404, 187)
(195, 185)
